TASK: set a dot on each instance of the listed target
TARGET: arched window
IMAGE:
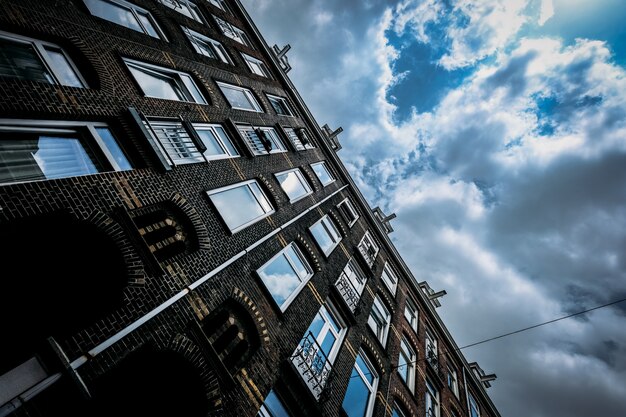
(361, 392)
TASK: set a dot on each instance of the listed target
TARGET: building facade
(180, 237)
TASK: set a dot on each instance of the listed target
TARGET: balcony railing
(313, 365)
(431, 358)
(348, 291)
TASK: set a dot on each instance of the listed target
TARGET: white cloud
(547, 11)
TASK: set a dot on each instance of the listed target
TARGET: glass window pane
(148, 24)
(192, 88)
(296, 259)
(275, 406)
(157, 86)
(65, 72)
(114, 148)
(280, 279)
(114, 13)
(322, 238)
(322, 173)
(237, 98)
(210, 141)
(237, 206)
(357, 396)
(21, 60)
(261, 199)
(292, 184)
(367, 372)
(226, 140)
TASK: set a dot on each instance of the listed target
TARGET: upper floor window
(285, 275)
(256, 66)
(351, 283)
(241, 205)
(361, 391)
(411, 313)
(239, 97)
(348, 211)
(272, 406)
(326, 234)
(206, 46)
(431, 400)
(261, 140)
(407, 363)
(379, 320)
(126, 14)
(299, 138)
(293, 184)
(40, 150)
(217, 143)
(35, 60)
(368, 249)
(280, 105)
(221, 4)
(185, 7)
(431, 348)
(398, 412)
(165, 83)
(474, 408)
(390, 278)
(322, 172)
(233, 32)
(453, 382)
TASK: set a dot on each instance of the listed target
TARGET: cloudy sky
(496, 131)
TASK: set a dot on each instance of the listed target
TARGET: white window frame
(256, 66)
(176, 76)
(295, 140)
(233, 32)
(256, 147)
(328, 226)
(307, 188)
(371, 387)
(213, 128)
(398, 411)
(46, 61)
(411, 317)
(383, 332)
(136, 11)
(327, 311)
(303, 279)
(217, 49)
(346, 205)
(221, 4)
(284, 102)
(246, 184)
(174, 140)
(474, 407)
(410, 357)
(431, 394)
(453, 381)
(193, 8)
(390, 278)
(324, 167)
(248, 94)
(367, 242)
(430, 343)
(264, 410)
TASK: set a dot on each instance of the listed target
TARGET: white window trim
(247, 92)
(303, 280)
(48, 63)
(233, 32)
(295, 140)
(330, 174)
(455, 385)
(212, 126)
(134, 9)
(371, 387)
(218, 49)
(330, 309)
(385, 332)
(350, 207)
(436, 398)
(250, 59)
(411, 302)
(391, 286)
(411, 363)
(220, 4)
(302, 180)
(323, 223)
(193, 7)
(367, 237)
(279, 148)
(286, 103)
(473, 404)
(246, 184)
(153, 126)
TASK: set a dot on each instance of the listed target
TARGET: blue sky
(496, 131)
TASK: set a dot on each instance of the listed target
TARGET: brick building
(179, 236)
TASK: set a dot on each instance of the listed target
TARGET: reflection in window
(185, 7)
(348, 212)
(390, 278)
(322, 172)
(125, 14)
(431, 400)
(218, 144)
(273, 407)
(280, 105)
(368, 249)
(406, 363)
(207, 46)
(360, 395)
(411, 313)
(241, 205)
(379, 320)
(453, 383)
(326, 234)
(293, 184)
(285, 275)
(239, 97)
(256, 66)
(233, 32)
(474, 409)
(261, 140)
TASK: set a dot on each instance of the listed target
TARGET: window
(280, 105)
(217, 143)
(126, 14)
(185, 7)
(261, 140)
(431, 400)
(175, 140)
(294, 184)
(220, 4)
(33, 150)
(326, 234)
(368, 249)
(361, 392)
(240, 98)
(453, 383)
(285, 274)
(390, 278)
(431, 349)
(30, 59)
(348, 212)
(273, 406)
(411, 313)
(299, 138)
(322, 172)
(241, 205)
(256, 66)
(165, 83)
(233, 32)
(379, 320)
(473, 404)
(398, 411)
(406, 364)
(207, 46)
(351, 283)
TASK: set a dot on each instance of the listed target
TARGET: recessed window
(261, 140)
(431, 400)
(272, 406)
(390, 278)
(285, 275)
(293, 184)
(474, 408)
(431, 349)
(299, 138)
(368, 249)
(34, 60)
(217, 143)
(256, 66)
(126, 14)
(185, 7)
(351, 283)
(453, 382)
(233, 32)
(280, 105)
(239, 97)
(411, 313)
(42, 150)
(175, 141)
(361, 391)
(326, 234)
(406, 363)
(398, 412)
(165, 83)
(379, 320)
(322, 172)
(221, 4)
(241, 205)
(207, 46)
(348, 211)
